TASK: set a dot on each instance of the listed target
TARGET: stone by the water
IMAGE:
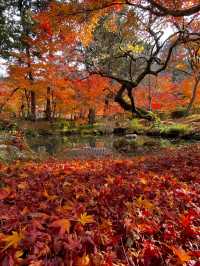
(131, 136)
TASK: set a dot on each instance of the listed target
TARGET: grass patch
(136, 126)
(173, 130)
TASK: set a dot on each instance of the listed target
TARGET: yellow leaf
(143, 181)
(135, 48)
(13, 240)
(83, 261)
(23, 185)
(18, 254)
(86, 219)
(144, 203)
(181, 254)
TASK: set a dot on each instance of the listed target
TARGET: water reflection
(57, 144)
(86, 146)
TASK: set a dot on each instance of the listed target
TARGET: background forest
(62, 59)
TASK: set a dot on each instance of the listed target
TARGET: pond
(84, 147)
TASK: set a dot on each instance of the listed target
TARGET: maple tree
(192, 70)
(152, 53)
(65, 41)
(160, 94)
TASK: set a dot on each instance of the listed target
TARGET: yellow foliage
(18, 254)
(144, 203)
(83, 261)
(86, 219)
(134, 48)
(86, 34)
(12, 240)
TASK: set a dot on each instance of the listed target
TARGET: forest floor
(141, 211)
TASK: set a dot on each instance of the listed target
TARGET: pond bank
(13, 147)
(65, 140)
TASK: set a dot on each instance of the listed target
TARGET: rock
(10, 153)
(195, 136)
(131, 136)
(6, 137)
(12, 148)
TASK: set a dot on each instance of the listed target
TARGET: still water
(84, 147)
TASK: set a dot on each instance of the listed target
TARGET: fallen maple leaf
(13, 240)
(49, 197)
(4, 193)
(144, 203)
(181, 254)
(83, 261)
(18, 254)
(24, 211)
(86, 219)
(63, 224)
(23, 186)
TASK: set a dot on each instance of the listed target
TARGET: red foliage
(102, 212)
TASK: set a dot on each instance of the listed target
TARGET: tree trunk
(48, 105)
(33, 106)
(149, 95)
(91, 116)
(194, 92)
(22, 109)
(131, 106)
(28, 109)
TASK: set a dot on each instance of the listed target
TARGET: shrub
(178, 113)
(64, 124)
(31, 132)
(173, 130)
(136, 125)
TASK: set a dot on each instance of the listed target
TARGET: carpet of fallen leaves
(142, 211)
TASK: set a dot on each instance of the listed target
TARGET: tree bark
(91, 116)
(48, 111)
(33, 106)
(28, 109)
(194, 92)
(131, 106)
(149, 95)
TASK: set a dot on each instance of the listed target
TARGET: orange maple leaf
(49, 197)
(4, 193)
(63, 224)
(182, 255)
